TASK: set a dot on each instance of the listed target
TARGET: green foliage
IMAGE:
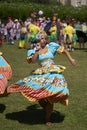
(22, 10)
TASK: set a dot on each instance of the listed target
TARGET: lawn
(17, 113)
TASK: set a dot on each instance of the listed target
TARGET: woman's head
(38, 46)
(43, 42)
(42, 38)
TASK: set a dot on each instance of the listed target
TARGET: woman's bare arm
(73, 62)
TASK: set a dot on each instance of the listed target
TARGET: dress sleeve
(30, 52)
(55, 47)
(60, 49)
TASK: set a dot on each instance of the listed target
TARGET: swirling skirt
(3, 84)
(5, 68)
(51, 85)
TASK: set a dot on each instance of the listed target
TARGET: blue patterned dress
(47, 81)
(5, 73)
(5, 68)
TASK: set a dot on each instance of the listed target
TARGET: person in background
(10, 31)
(53, 32)
(68, 37)
(0, 39)
(23, 37)
(80, 34)
(16, 28)
(33, 30)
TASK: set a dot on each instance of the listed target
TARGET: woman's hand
(0, 53)
(34, 57)
(73, 62)
(29, 60)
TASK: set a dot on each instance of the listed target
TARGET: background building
(74, 2)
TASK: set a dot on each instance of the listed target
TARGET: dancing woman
(46, 84)
(5, 73)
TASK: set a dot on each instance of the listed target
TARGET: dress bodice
(46, 61)
(52, 48)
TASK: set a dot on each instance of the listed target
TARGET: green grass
(20, 114)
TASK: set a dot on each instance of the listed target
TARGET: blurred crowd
(67, 32)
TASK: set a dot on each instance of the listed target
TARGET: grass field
(17, 113)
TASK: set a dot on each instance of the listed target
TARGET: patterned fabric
(5, 68)
(3, 84)
(47, 81)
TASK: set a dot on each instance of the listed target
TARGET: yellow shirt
(53, 30)
(69, 30)
(33, 28)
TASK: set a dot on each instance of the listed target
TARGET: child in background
(0, 38)
(33, 30)
(75, 38)
(23, 37)
(53, 32)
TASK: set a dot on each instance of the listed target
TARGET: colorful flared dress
(47, 81)
(3, 84)
(5, 68)
(5, 73)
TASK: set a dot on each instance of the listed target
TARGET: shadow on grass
(2, 108)
(34, 115)
(5, 94)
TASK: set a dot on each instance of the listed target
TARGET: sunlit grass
(20, 114)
